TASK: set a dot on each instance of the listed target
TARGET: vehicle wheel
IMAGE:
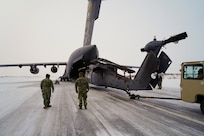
(202, 106)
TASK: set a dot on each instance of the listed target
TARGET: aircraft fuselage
(78, 59)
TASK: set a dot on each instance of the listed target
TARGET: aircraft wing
(108, 63)
(33, 66)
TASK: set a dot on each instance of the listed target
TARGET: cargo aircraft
(102, 72)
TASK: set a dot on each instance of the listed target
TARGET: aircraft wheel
(202, 106)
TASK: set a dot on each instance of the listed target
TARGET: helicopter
(102, 72)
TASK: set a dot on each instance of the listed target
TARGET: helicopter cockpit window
(193, 71)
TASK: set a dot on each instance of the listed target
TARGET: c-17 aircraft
(102, 72)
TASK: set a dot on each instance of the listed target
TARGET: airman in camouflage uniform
(82, 87)
(160, 81)
(46, 86)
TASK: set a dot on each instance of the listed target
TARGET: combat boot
(80, 106)
(45, 107)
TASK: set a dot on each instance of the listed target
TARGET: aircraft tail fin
(150, 65)
(164, 63)
(92, 14)
(143, 76)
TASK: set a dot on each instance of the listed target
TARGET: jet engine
(54, 69)
(34, 69)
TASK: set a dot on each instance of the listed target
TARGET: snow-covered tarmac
(110, 112)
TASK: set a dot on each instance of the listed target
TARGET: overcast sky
(34, 31)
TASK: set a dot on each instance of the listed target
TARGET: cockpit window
(193, 71)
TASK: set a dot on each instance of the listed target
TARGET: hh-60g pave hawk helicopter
(102, 72)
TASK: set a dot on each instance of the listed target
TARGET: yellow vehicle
(192, 83)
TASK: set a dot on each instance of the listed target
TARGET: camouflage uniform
(82, 87)
(46, 85)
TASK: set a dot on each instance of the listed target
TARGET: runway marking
(172, 113)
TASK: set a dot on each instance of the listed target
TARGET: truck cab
(192, 83)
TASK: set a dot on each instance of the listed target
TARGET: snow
(110, 111)
(12, 93)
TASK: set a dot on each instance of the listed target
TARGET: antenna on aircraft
(155, 38)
